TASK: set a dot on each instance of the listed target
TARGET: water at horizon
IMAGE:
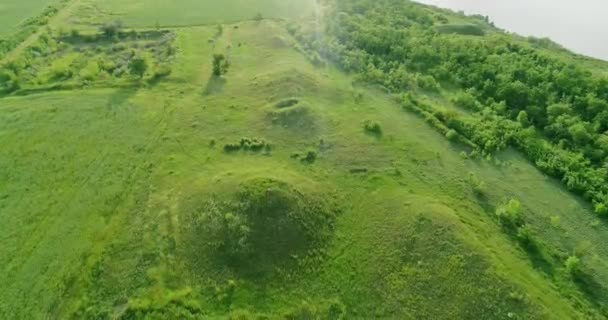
(580, 26)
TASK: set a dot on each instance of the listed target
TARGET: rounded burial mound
(263, 224)
(292, 113)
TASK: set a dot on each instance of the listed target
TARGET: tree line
(518, 93)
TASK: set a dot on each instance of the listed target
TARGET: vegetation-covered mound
(266, 222)
(285, 84)
(292, 113)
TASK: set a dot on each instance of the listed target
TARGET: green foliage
(510, 213)
(466, 100)
(90, 72)
(265, 223)
(310, 156)
(372, 127)
(525, 236)
(452, 135)
(601, 209)
(61, 71)
(138, 65)
(427, 82)
(477, 185)
(164, 305)
(330, 310)
(57, 60)
(220, 65)
(9, 81)
(523, 119)
(463, 29)
(13, 14)
(573, 265)
(248, 144)
(111, 29)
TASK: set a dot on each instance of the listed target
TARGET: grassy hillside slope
(284, 189)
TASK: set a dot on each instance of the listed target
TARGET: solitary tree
(138, 66)
(110, 29)
(220, 64)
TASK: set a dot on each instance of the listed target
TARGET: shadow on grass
(538, 258)
(215, 85)
(374, 134)
(593, 290)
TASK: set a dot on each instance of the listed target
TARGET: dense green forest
(515, 92)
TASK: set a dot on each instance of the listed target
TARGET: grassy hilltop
(295, 160)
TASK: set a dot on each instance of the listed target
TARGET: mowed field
(151, 13)
(104, 190)
(13, 12)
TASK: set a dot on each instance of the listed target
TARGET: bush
(467, 101)
(476, 184)
(9, 81)
(310, 157)
(107, 65)
(90, 72)
(510, 213)
(330, 310)
(138, 65)
(372, 127)
(111, 29)
(427, 82)
(573, 265)
(248, 144)
(452, 135)
(601, 209)
(525, 236)
(181, 304)
(220, 65)
(61, 71)
(232, 147)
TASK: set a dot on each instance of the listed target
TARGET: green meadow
(180, 13)
(283, 188)
(14, 12)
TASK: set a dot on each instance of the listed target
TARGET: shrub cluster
(69, 60)
(249, 144)
(266, 222)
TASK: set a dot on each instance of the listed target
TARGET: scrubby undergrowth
(266, 223)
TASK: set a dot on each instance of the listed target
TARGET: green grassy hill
(286, 188)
